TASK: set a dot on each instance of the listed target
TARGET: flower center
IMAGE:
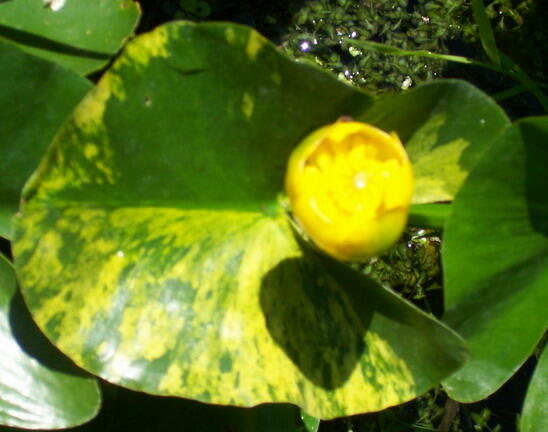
(352, 174)
(360, 180)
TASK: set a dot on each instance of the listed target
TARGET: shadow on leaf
(536, 155)
(33, 342)
(313, 320)
(32, 40)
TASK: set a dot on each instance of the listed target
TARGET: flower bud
(350, 186)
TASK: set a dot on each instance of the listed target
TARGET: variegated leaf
(153, 250)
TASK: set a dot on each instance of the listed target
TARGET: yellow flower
(350, 187)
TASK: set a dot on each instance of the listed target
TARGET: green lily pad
(446, 126)
(78, 34)
(495, 257)
(37, 96)
(40, 388)
(533, 417)
(153, 252)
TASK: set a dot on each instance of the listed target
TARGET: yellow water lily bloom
(350, 186)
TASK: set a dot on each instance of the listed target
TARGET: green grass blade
(392, 50)
(513, 91)
(509, 68)
(486, 32)
(520, 75)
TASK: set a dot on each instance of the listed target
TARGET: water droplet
(173, 307)
(121, 254)
(407, 82)
(305, 46)
(354, 51)
(55, 5)
(482, 122)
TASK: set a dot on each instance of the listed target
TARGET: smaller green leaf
(534, 416)
(39, 95)
(79, 34)
(39, 387)
(495, 257)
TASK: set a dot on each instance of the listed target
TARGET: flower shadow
(314, 320)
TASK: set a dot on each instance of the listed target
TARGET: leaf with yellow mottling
(206, 322)
(160, 259)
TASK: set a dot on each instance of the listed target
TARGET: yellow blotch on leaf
(171, 382)
(277, 78)
(254, 44)
(88, 115)
(439, 173)
(350, 186)
(248, 105)
(147, 46)
(230, 35)
(90, 151)
(148, 330)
